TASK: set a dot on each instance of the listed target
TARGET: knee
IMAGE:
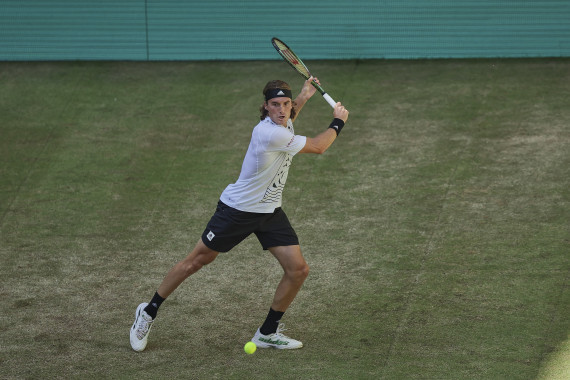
(305, 271)
(192, 265)
(300, 272)
(189, 267)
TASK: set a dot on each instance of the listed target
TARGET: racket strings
(292, 58)
(295, 61)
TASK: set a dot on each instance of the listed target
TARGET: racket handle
(329, 99)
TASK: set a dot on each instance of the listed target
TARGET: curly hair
(270, 86)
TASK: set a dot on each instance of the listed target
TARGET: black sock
(271, 322)
(152, 307)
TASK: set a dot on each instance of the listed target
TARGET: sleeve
(284, 141)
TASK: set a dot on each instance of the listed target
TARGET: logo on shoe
(276, 342)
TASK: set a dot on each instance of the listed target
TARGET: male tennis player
(253, 205)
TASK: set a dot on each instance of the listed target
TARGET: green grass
(436, 226)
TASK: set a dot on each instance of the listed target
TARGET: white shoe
(276, 340)
(141, 328)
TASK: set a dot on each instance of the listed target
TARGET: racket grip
(329, 99)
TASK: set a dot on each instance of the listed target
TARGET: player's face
(279, 110)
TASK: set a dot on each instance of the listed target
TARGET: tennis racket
(291, 58)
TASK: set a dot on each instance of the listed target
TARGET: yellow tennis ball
(249, 348)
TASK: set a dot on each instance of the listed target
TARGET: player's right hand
(340, 112)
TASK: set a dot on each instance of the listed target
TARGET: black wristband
(337, 125)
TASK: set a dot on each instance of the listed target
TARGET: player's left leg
(296, 271)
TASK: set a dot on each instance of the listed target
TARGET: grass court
(436, 226)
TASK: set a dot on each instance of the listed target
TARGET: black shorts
(228, 227)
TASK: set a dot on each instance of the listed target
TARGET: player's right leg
(200, 256)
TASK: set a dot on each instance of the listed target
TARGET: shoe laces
(143, 326)
(280, 329)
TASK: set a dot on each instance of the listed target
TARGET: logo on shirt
(210, 235)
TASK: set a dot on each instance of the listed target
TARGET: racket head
(294, 61)
(290, 57)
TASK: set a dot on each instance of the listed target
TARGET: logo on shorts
(210, 235)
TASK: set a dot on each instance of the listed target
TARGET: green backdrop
(241, 30)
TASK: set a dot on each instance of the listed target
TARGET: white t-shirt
(265, 168)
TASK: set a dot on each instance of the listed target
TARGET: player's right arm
(320, 143)
(307, 92)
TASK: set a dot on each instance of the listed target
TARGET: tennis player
(253, 205)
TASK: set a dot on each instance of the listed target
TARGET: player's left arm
(306, 93)
(320, 143)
